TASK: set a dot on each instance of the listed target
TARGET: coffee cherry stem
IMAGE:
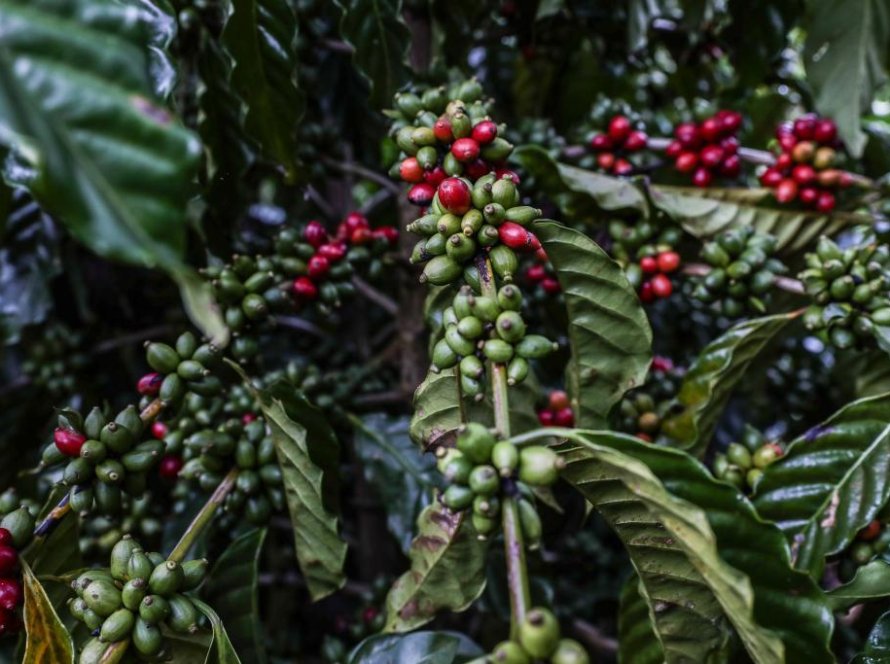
(204, 517)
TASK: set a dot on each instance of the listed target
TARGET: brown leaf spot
(429, 542)
(830, 518)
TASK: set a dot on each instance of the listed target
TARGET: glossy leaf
(845, 56)
(637, 642)
(417, 648)
(232, 590)
(447, 570)
(704, 213)
(704, 557)
(221, 650)
(710, 380)
(871, 582)
(579, 192)
(401, 475)
(609, 333)
(375, 29)
(831, 482)
(260, 36)
(46, 639)
(877, 645)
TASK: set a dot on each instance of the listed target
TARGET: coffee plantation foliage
(395, 332)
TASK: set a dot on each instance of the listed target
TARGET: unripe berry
(465, 149)
(485, 132)
(454, 195)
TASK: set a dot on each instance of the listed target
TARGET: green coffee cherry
(120, 557)
(139, 566)
(510, 327)
(102, 597)
(539, 633)
(194, 573)
(476, 443)
(509, 652)
(166, 578)
(154, 609)
(483, 524)
(117, 626)
(498, 351)
(147, 638)
(161, 357)
(132, 593)
(569, 651)
(505, 457)
(457, 498)
(484, 480)
(20, 525)
(93, 651)
(441, 270)
(539, 465)
(530, 521)
(535, 346)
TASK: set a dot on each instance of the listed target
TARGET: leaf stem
(203, 517)
(514, 547)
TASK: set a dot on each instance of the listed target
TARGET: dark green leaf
(260, 36)
(46, 639)
(417, 648)
(712, 377)
(877, 646)
(375, 29)
(221, 650)
(845, 56)
(576, 191)
(702, 554)
(401, 475)
(705, 213)
(871, 582)
(637, 642)
(609, 332)
(60, 551)
(231, 589)
(831, 482)
(447, 570)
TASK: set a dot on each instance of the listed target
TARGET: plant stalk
(203, 517)
(514, 547)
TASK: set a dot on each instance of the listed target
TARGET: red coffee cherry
(605, 160)
(711, 156)
(662, 364)
(661, 286)
(636, 140)
(170, 466)
(318, 266)
(687, 134)
(870, 532)
(435, 176)
(805, 127)
(808, 195)
(702, 177)
(673, 149)
(731, 166)
(825, 131)
(686, 162)
(619, 128)
(477, 169)
(9, 558)
(649, 264)
(601, 142)
(388, 233)
(421, 194)
(315, 234)
(803, 174)
(305, 288)
(622, 167)
(361, 236)
(558, 400)
(410, 170)
(501, 173)
(550, 286)
(786, 191)
(545, 417)
(514, 236)
(710, 129)
(564, 417)
(335, 251)
(668, 261)
(5, 536)
(770, 178)
(150, 384)
(535, 273)
(825, 202)
(646, 293)
(10, 593)
(454, 195)
(68, 441)
(247, 418)
(159, 430)
(465, 149)
(442, 130)
(485, 132)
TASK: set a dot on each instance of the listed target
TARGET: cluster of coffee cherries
(363, 621)
(647, 252)
(871, 541)
(806, 164)
(539, 640)
(141, 517)
(642, 410)
(557, 411)
(479, 328)
(707, 148)
(243, 443)
(444, 133)
(55, 359)
(134, 598)
(615, 146)
(481, 470)
(186, 366)
(850, 289)
(16, 528)
(541, 276)
(743, 462)
(743, 271)
(464, 218)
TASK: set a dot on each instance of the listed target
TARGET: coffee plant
(470, 333)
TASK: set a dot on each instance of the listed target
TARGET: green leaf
(375, 29)
(46, 639)
(712, 377)
(637, 642)
(320, 551)
(705, 213)
(872, 374)
(877, 646)
(60, 551)
(260, 36)
(221, 650)
(871, 582)
(845, 56)
(578, 192)
(447, 570)
(417, 648)
(401, 475)
(609, 333)
(88, 135)
(232, 590)
(831, 482)
(703, 555)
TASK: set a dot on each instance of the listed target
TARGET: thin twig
(381, 299)
(133, 338)
(594, 638)
(378, 198)
(320, 202)
(358, 169)
(300, 324)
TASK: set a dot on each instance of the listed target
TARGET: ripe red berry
(808, 195)
(787, 142)
(501, 173)
(442, 130)
(335, 251)
(783, 161)
(318, 266)
(646, 293)
(619, 128)
(477, 169)
(564, 417)
(686, 162)
(545, 417)
(731, 166)
(369, 614)
(485, 132)
(661, 286)
(785, 129)
(361, 236)
(388, 233)
(649, 264)
(770, 177)
(247, 418)
(668, 261)
(870, 532)
(636, 140)
(786, 191)
(421, 194)
(710, 130)
(10, 593)
(550, 286)
(558, 400)
(170, 466)
(541, 255)
(454, 195)
(605, 160)
(435, 176)
(825, 202)
(535, 273)
(68, 441)
(8, 558)
(159, 430)
(601, 142)
(711, 156)
(730, 145)
(803, 174)
(730, 121)
(150, 384)
(702, 177)
(844, 180)
(514, 236)
(305, 288)
(660, 363)
(645, 437)
(687, 134)
(315, 234)
(673, 149)
(5, 536)
(465, 149)
(534, 243)
(622, 167)
(355, 220)
(825, 131)
(410, 170)
(805, 127)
